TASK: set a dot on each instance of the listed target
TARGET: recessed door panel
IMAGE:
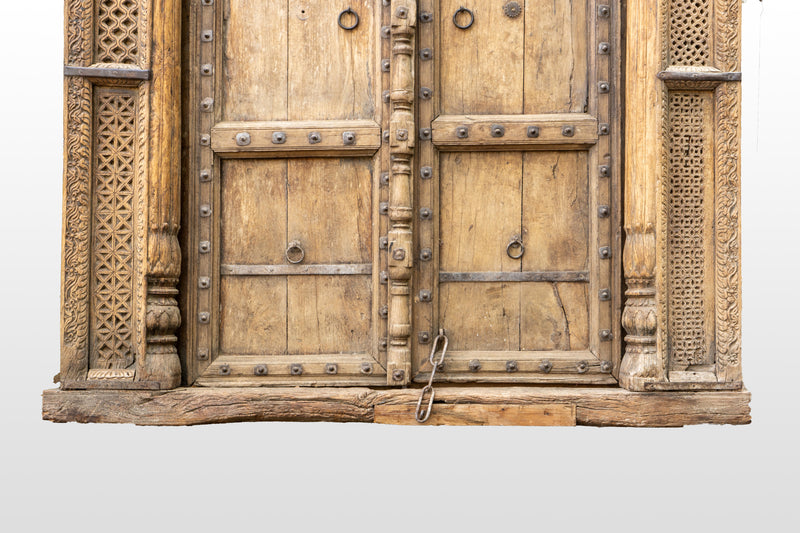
(529, 57)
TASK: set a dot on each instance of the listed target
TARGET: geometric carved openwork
(112, 258)
(686, 258)
(117, 31)
(690, 22)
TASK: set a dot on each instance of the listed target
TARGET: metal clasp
(421, 415)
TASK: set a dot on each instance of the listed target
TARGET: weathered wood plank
(551, 132)
(480, 415)
(595, 406)
(325, 138)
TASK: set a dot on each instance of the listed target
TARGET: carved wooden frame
(131, 47)
(129, 52)
(703, 63)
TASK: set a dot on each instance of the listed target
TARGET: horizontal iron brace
(297, 270)
(566, 276)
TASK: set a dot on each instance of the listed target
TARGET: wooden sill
(592, 406)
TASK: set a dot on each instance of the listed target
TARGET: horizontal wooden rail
(323, 138)
(565, 131)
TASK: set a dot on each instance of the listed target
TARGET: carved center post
(402, 135)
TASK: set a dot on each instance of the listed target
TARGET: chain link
(421, 415)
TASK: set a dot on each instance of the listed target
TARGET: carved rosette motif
(401, 138)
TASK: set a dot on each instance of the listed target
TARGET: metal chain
(420, 415)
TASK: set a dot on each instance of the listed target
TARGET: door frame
(658, 70)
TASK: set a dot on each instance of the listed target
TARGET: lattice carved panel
(688, 257)
(117, 31)
(113, 197)
(689, 38)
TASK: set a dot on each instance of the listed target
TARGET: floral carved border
(77, 238)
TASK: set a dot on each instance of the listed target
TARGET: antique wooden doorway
(360, 175)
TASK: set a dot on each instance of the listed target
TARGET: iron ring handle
(516, 242)
(351, 12)
(463, 9)
(295, 253)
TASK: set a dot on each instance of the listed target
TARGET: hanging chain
(421, 415)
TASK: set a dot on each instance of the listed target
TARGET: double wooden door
(362, 174)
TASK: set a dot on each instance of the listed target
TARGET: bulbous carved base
(640, 364)
(161, 363)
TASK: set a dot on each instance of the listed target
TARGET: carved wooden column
(121, 177)
(681, 258)
(643, 158)
(161, 362)
(402, 135)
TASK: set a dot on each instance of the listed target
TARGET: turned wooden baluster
(401, 140)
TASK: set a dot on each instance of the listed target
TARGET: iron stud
(243, 139)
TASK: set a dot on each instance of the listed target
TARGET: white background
(360, 477)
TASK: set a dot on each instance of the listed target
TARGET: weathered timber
(596, 406)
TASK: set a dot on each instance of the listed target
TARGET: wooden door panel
(288, 59)
(255, 60)
(253, 223)
(554, 317)
(515, 317)
(536, 62)
(480, 68)
(253, 315)
(295, 140)
(481, 316)
(480, 207)
(330, 209)
(332, 72)
(522, 140)
(556, 221)
(329, 315)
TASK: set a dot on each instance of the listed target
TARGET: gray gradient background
(359, 477)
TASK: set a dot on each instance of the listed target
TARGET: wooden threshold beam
(594, 406)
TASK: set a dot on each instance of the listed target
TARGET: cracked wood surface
(594, 406)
